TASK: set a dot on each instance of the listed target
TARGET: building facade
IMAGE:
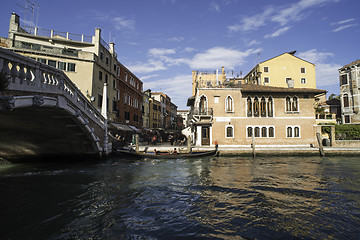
(155, 113)
(349, 77)
(283, 71)
(269, 115)
(88, 61)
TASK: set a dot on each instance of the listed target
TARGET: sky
(163, 41)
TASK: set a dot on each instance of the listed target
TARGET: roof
(291, 53)
(250, 88)
(357, 62)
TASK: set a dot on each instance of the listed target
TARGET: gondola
(130, 152)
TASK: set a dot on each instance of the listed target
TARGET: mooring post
(321, 149)
(253, 146)
(137, 142)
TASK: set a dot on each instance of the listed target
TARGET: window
(249, 107)
(42, 60)
(126, 77)
(302, 70)
(115, 67)
(256, 107)
(114, 83)
(101, 56)
(293, 132)
(229, 131)
(271, 132)
(249, 131)
(346, 100)
(99, 101)
(229, 104)
(114, 106)
(264, 132)
(343, 79)
(106, 77)
(62, 66)
(127, 115)
(266, 80)
(347, 118)
(263, 107)
(100, 75)
(216, 99)
(257, 132)
(52, 63)
(266, 69)
(292, 104)
(71, 67)
(270, 107)
(303, 80)
(289, 132)
(107, 60)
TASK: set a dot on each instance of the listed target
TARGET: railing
(53, 34)
(28, 75)
(203, 112)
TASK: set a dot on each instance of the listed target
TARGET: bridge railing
(28, 75)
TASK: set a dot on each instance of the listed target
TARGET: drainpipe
(104, 113)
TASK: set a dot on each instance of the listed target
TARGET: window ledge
(293, 112)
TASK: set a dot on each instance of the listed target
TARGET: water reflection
(210, 198)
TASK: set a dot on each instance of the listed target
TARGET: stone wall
(347, 143)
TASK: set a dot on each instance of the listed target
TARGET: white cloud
(176, 39)
(344, 27)
(161, 51)
(220, 56)
(214, 7)
(326, 73)
(253, 42)
(278, 32)
(343, 21)
(148, 76)
(287, 14)
(170, 86)
(150, 66)
(120, 23)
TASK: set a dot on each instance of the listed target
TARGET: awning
(136, 130)
(122, 127)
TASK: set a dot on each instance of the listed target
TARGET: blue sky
(162, 41)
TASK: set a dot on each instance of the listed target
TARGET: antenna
(31, 8)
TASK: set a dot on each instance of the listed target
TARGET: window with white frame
(303, 70)
(303, 80)
(216, 99)
(229, 131)
(229, 104)
(262, 107)
(266, 79)
(266, 69)
(291, 104)
(292, 131)
(260, 131)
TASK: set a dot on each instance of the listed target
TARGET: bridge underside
(35, 132)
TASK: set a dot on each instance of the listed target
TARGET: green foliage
(347, 132)
(325, 129)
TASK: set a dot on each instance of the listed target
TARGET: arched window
(249, 107)
(229, 131)
(249, 131)
(263, 132)
(296, 132)
(202, 105)
(295, 103)
(270, 107)
(346, 100)
(263, 107)
(229, 104)
(271, 132)
(288, 104)
(257, 132)
(256, 107)
(289, 132)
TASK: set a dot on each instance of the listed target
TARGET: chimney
(14, 25)
(290, 82)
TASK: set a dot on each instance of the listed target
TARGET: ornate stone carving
(38, 100)
(7, 103)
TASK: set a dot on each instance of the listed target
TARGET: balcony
(202, 115)
(325, 118)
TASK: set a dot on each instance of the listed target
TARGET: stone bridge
(43, 113)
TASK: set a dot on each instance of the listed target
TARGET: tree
(4, 81)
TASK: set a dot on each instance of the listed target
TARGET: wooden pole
(253, 146)
(321, 149)
(137, 142)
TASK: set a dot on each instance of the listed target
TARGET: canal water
(208, 198)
